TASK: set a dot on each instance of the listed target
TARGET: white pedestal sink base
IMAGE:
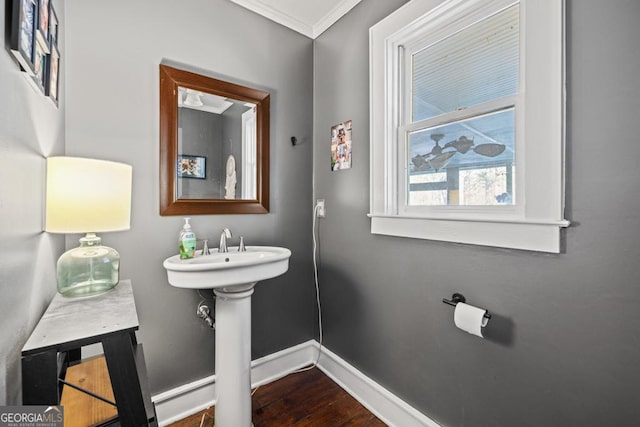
(232, 275)
(233, 357)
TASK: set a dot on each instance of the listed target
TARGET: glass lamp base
(89, 269)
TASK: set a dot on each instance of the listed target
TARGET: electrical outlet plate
(320, 212)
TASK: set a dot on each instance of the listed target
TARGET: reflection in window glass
(485, 186)
(467, 162)
(475, 65)
(428, 189)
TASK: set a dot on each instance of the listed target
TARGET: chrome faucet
(226, 234)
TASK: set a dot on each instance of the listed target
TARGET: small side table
(70, 323)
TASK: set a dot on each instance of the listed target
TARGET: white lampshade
(87, 195)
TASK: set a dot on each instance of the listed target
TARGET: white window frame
(249, 144)
(534, 222)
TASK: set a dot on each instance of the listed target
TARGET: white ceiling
(308, 17)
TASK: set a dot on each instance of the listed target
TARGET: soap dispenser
(187, 241)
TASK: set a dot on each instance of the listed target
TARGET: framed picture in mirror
(192, 166)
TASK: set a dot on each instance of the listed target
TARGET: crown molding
(311, 30)
(277, 16)
(333, 16)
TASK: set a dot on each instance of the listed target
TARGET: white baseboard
(188, 399)
(392, 410)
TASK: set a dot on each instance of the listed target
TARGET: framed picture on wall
(53, 27)
(191, 166)
(341, 146)
(40, 67)
(23, 27)
(42, 32)
(53, 71)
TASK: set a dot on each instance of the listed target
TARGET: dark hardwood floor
(305, 399)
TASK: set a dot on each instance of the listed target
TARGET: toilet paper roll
(470, 319)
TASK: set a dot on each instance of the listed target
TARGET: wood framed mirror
(214, 146)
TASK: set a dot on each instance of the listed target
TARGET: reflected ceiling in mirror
(214, 145)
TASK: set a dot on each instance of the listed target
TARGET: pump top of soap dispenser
(187, 226)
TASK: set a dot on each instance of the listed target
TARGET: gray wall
(113, 92)
(564, 341)
(31, 128)
(201, 136)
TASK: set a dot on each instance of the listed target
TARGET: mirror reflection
(216, 147)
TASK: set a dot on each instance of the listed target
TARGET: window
(467, 122)
(249, 165)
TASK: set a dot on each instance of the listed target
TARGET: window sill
(542, 236)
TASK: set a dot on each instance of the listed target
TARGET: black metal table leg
(119, 353)
(40, 379)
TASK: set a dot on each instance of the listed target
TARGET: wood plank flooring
(305, 399)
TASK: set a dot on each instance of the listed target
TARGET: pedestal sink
(232, 276)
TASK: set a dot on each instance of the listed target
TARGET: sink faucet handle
(205, 248)
(241, 247)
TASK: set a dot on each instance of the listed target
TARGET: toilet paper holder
(456, 298)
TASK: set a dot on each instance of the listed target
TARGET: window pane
(429, 189)
(475, 65)
(478, 187)
(468, 162)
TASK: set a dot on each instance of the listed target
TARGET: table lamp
(87, 196)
